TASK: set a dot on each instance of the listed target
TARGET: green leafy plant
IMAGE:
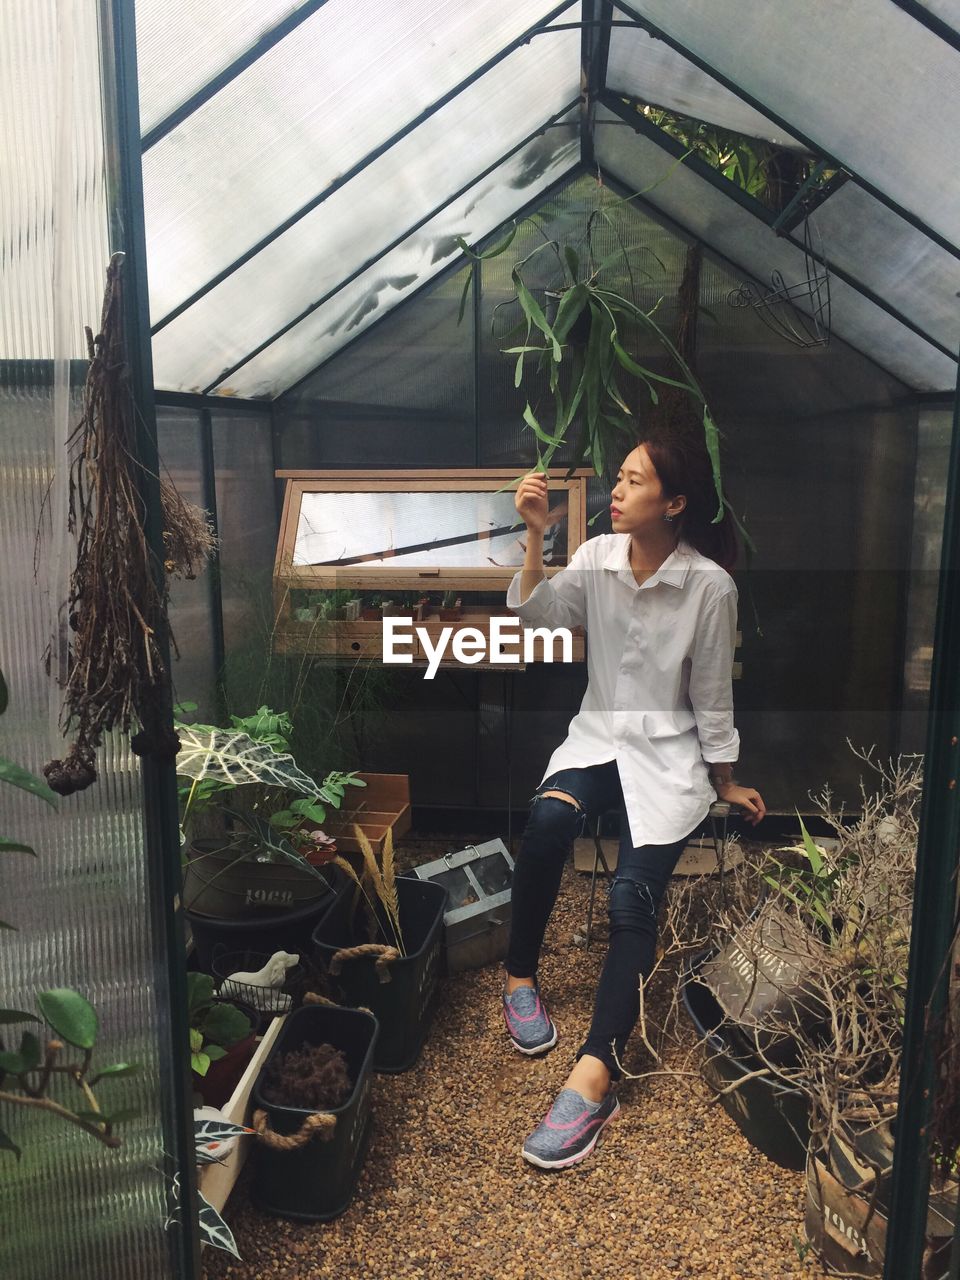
(215, 1025)
(254, 788)
(27, 1074)
(582, 336)
(809, 885)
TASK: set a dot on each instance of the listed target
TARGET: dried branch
(116, 610)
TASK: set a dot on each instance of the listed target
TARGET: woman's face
(638, 504)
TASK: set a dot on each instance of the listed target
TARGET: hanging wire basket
(798, 313)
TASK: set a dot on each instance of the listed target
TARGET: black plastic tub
(771, 1115)
(316, 1182)
(404, 1005)
(268, 931)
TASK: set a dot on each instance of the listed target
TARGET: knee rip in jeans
(641, 889)
(552, 794)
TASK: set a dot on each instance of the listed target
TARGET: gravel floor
(672, 1191)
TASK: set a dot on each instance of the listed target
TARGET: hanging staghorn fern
(116, 610)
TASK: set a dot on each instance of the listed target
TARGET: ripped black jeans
(635, 893)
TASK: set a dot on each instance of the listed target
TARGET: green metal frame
(381, 253)
(359, 167)
(160, 807)
(816, 147)
(229, 73)
(705, 171)
(934, 904)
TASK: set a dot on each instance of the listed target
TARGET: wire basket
(268, 1001)
(798, 313)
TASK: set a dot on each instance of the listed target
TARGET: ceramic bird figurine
(261, 989)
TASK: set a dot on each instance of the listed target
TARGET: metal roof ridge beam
(752, 206)
(196, 100)
(660, 34)
(360, 165)
(594, 58)
(381, 253)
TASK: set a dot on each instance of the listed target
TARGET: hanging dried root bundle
(188, 538)
(115, 609)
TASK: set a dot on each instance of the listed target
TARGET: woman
(654, 736)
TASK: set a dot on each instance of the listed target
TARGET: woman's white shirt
(659, 697)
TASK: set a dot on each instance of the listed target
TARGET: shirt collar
(673, 570)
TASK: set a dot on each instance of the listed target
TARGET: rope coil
(320, 1124)
(385, 956)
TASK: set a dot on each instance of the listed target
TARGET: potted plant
(312, 1113)
(381, 940)
(222, 1039)
(407, 605)
(246, 884)
(450, 607)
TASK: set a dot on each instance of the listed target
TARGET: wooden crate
(216, 1181)
(382, 805)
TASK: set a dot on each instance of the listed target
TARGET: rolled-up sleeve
(558, 601)
(711, 680)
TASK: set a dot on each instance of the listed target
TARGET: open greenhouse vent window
(354, 546)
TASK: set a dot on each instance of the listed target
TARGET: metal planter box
(478, 881)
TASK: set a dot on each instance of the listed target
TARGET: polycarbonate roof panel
(948, 10)
(379, 206)
(302, 115)
(184, 44)
(841, 74)
(644, 68)
(899, 263)
(420, 257)
(725, 226)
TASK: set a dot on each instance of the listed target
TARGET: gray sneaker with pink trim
(529, 1026)
(570, 1129)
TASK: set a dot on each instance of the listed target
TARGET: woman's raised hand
(532, 502)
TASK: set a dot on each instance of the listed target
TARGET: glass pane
(847, 96)
(493, 873)
(460, 891)
(182, 46)
(71, 1205)
(370, 213)
(708, 214)
(301, 116)
(466, 530)
(650, 70)
(400, 272)
(902, 265)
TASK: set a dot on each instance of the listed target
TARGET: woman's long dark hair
(683, 465)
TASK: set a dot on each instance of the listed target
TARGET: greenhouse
(479, 524)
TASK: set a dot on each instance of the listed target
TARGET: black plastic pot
(268, 931)
(226, 881)
(772, 1116)
(316, 1182)
(404, 1005)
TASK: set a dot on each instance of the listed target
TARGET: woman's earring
(668, 517)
